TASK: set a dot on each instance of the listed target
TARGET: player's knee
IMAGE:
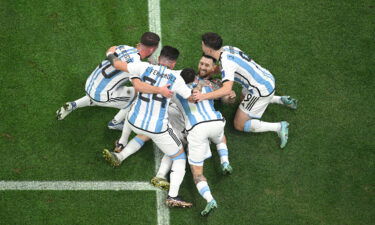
(198, 178)
(238, 125)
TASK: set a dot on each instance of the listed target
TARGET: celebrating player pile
(175, 108)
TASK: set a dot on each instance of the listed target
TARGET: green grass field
(321, 52)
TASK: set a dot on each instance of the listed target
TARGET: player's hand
(197, 96)
(232, 94)
(111, 50)
(165, 91)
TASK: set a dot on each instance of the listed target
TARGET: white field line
(155, 26)
(162, 209)
(76, 185)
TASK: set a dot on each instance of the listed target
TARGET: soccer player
(104, 87)
(148, 115)
(258, 85)
(203, 124)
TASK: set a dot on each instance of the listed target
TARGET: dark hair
(188, 74)
(150, 39)
(209, 57)
(212, 40)
(169, 53)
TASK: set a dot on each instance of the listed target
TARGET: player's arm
(226, 89)
(143, 87)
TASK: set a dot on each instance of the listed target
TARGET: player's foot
(115, 126)
(64, 111)
(209, 207)
(111, 158)
(283, 133)
(177, 202)
(290, 102)
(160, 183)
(226, 168)
(118, 147)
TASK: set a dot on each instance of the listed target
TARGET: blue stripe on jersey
(96, 74)
(103, 84)
(252, 72)
(159, 124)
(199, 106)
(138, 104)
(211, 103)
(158, 78)
(147, 104)
(186, 107)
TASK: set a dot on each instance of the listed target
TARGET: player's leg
(215, 132)
(125, 96)
(251, 110)
(285, 100)
(69, 107)
(199, 145)
(160, 180)
(168, 143)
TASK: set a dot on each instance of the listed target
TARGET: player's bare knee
(198, 178)
(238, 125)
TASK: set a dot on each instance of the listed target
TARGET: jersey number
(156, 97)
(109, 71)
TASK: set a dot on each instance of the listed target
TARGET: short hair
(212, 40)
(188, 74)
(150, 39)
(209, 57)
(169, 53)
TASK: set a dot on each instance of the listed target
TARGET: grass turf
(320, 52)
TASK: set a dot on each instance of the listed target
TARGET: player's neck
(216, 54)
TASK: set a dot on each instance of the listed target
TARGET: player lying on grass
(148, 115)
(203, 124)
(104, 87)
(258, 86)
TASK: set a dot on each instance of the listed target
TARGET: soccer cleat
(226, 168)
(118, 147)
(111, 158)
(209, 207)
(115, 126)
(64, 111)
(160, 183)
(283, 133)
(290, 102)
(177, 202)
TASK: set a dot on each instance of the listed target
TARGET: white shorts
(199, 140)
(167, 141)
(119, 98)
(177, 122)
(253, 105)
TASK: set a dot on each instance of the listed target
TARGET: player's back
(106, 78)
(149, 112)
(239, 67)
(200, 112)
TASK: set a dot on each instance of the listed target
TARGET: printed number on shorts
(156, 97)
(249, 101)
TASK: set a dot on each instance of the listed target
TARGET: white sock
(222, 149)
(204, 190)
(276, 99)
(126, 130)
(79, 103)
(177, 175)
(133, 146)
(165, 167)
(120, 116)
(256, 126)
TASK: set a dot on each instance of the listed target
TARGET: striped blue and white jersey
(238, 67)
(196, 113)
(150, 111)
(105, 78)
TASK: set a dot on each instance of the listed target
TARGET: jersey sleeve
(137, 69)
(228, 70)
(181, 88)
